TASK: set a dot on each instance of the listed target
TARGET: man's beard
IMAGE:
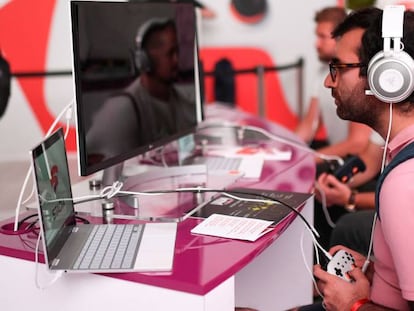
(324, 58)
(357, 108)
(367, 115)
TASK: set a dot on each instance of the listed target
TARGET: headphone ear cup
(391, 78)
(142, 61)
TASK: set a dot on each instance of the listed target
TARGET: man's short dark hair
(365, 18)
(334, 15)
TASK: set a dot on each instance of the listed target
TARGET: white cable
(114, 189)
(74, 200)
(280, 139)
(65, 109)
(313, 230)
(384, 153)
(162, 155)
(319, 246)
(296, 144)
(29, 196)
(324, 207)
(367, 261)
(306, 264)
(57, 274)
(68, 117)
(384, 161)
(20, 199)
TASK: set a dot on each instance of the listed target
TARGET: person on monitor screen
(343, 137)
(390, 112)
(151, 107)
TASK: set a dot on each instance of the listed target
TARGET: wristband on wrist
(350, 206)
(359, 303)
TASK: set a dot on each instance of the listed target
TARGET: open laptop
(246, 166)
(74, 247)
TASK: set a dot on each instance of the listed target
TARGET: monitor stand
(147, 178)
(112, 174)
(163, 207)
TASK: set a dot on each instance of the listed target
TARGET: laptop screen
(56, 213)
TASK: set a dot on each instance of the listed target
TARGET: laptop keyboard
(110, 247)
(222, 163)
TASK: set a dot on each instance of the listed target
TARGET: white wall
(286, 33)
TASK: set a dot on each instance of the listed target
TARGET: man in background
(343, 137)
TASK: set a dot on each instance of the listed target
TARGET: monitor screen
(136, 78)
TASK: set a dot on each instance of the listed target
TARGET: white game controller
(340, 264)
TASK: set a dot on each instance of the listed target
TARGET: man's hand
(339, 294)
(335, 192)
(359, 260)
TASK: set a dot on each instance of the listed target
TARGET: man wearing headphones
(371, 79)
(344, 138)
(150, 104)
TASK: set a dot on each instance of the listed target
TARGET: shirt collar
(402, 139)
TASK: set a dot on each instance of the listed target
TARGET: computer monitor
(135, 68)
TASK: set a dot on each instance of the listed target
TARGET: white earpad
(391, 78)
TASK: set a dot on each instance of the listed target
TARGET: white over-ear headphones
(390, 72)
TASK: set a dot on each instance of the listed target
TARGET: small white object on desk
(267, 153)
(233, 227)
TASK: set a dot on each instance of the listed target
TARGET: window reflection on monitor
(136, 78)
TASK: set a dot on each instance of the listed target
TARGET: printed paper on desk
(233, 227)
(267, 153)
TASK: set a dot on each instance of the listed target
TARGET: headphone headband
(142, 59)
(392, 27)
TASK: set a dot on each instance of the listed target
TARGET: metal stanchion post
(261, 91)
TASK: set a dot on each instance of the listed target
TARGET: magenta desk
(208, 274)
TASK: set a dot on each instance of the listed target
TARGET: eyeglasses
(334, 67)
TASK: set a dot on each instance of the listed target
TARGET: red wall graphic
(24, 37)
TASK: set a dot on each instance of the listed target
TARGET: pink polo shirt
(393, 281)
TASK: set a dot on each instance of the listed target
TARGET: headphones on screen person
(142, 59)
(390, 72)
